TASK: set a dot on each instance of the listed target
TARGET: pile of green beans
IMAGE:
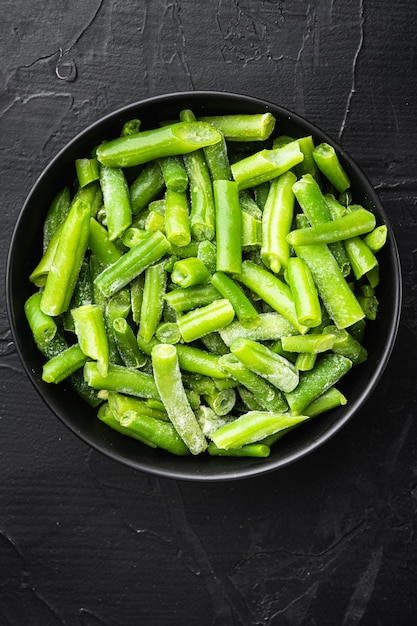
(207, 285)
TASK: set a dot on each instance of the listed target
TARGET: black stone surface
(329, 540)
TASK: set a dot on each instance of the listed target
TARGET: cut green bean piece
(217, 160)
(337, 297)
(174, 173)
(305, 361)
(170, 140)
(43, 326)
(308, 164)
(328, 162)
(116, 200)
(121, 404)
(221, 401)
(169, 384)
(127, 380)
(186, 298)
(346, 345)
(276, 222)
(189, 272)
(106, 416)
(269, 327)
(59, 367)
(152, 300)
(177, 223)
(168, 332)
(252, 427)
(229, 289)
(350, 225)
(133, 263)
(162, 434)
(269, 397)
(228, 226)
(312, 344)
(272, 366)
(130, 127)
(251, 231)
(68, 258)
(328, 370)
(39, 274)
(146, 186)
(204, 320)
(271, 289)
(207, 253)
(376, 239)
(361, 257)
(330, 399)
(57, 212)
(91, 333)
(265, 165)
(127, 344)
(304, 292)
(259, 450)
(105, 250)
(241, 127)
(87, 171)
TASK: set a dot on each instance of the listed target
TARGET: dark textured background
(330, 540)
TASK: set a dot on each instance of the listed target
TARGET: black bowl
(25, 251)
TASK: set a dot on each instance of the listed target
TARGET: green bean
(265, 165)
(168, 332)
(43, 326)
(146, 186)
(145, 146)
(305, 361)
(251, 231)
(189, 272)
(269, 327)
(57, 212)
(304, 292)
(39, 274)
(214, 343)
(221, 401)
(243, 127)
(177, 224)
(106, 416)
(272, 366)
(328, 162)
(131, 264)
(252, 427)
(346, 345)
(271, 289)
(186, 298)
(116, 200)
(68, 258)
(217, 160)
(361, 257)
(121, 404)
(152, 300)
(202, 213)
(376, 239)
(276, 222)
(162, 434)
(337, 297)
(91, 333)
(122, 379)
(310, 344)
(259, 450)
(228, 226)
(330, 399)
(169, 384)
(59, 367)
(87, 171)
(268, 396)
(206, 252)
(229, 289)
(174, 173)
(308, 164)
(106, 251)
(206, 319)
(350, 225)
(326, 373)
(127, 344)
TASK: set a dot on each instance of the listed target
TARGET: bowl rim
(268, 465)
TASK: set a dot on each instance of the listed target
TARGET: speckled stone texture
(330, 540)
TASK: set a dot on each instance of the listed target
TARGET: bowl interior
(25, 251)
